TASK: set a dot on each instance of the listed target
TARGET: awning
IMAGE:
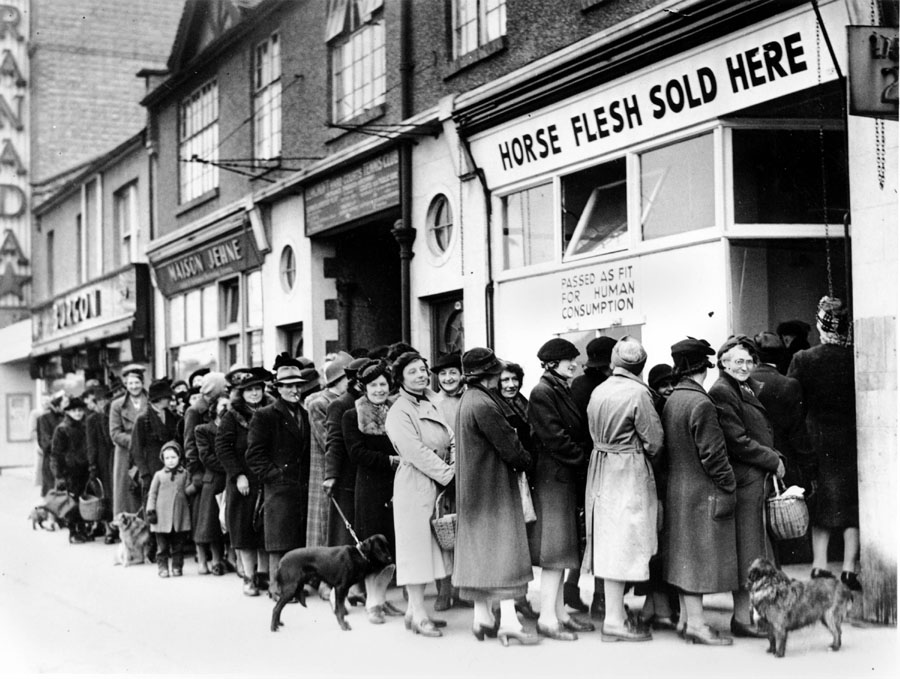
(117, 328)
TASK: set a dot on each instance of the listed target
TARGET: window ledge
(196, 202)
(463, 62)
(366, 116)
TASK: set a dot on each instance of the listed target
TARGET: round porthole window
(440, 225)
(288, 268)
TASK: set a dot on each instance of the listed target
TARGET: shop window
(595, 210)
(254, 299)
(678, 188)
(267, 99)
(124, 222)
(198, 147)
(356, 35)
(230, 296)
(51, 241)
(193, 316)
(778, 176)
(93, 230)
(210, 311)
(231, 350)
(176, 319)
(476, 23)
(288, 268)
(440, 225)
(256, 354)
(528, 227)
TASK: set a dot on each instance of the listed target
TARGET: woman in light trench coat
(425, 445)
(621, 506)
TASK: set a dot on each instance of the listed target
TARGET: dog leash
(348, 527)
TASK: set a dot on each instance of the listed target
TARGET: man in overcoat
(100, 449)
(46, 425)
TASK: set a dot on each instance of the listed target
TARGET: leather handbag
(60, 503)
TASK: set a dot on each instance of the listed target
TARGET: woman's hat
(399, 365)
(628, 354)
(213, 385)
(310, 377)
(235, 370)
(336, 368)
(251, 377)
(158, 389)
(444, 361)
(832, 315)
(771, 348)
(557, 349)
(199, 372)
(690, 355)
(481, 361)
(133, 369)
(372, 370)
(738, 341)
(75, 402)
(599, 352)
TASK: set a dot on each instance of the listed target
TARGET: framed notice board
(18, 411)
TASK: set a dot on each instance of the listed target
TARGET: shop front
(90, 332)
(212, 297)
(693, 197)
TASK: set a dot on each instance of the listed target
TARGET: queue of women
(658, 486)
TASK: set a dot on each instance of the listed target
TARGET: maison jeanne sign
(231, 254)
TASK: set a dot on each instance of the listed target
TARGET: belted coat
(122, 415)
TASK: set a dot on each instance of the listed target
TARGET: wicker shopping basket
(443, 524)
(788, 515)
(93, 505)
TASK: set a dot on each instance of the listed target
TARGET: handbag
(60, 503)
(527, 504)
(93, 506)
(788, 515)
(443, 524)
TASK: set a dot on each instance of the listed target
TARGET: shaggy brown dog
(790, 604)
(135, 534)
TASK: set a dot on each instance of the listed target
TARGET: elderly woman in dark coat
(241, 486)
(825, 373)
(561, 444)
(699, 536)
(207, 531)
(69, 462)
(492, 560)
(749, 438)
(278, 454)
(100, 449)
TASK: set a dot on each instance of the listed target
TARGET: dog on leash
(41, 517)
(788, 604)
(134, 533)
(339, 567)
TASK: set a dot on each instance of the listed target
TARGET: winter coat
(425, 445)
(561, 445)
(46, 426)
(448, 405)
(278, 454)
(583, 386)
(699, 534)
(621, 506)
(318, 508)
(199, 413)
(205, 511)
(492, 554)
(340, 467)
(370, 449)
(750, 440)
(231, 449)
(782, 397)
(149, 434)
(68, 450)
(167, 498)
(122, 415)
(825, 373)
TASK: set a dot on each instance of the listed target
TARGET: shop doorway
(447, 331)
(367, 273)
(780, 280)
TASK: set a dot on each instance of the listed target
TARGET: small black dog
(790, 604)
(340, 567)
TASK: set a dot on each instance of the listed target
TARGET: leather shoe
(557, 632)
(626, 632)
(820, 573)
(572, 597)
(850, 579)
(707, 636)
(481, 631)
(740, 629)
(426, 628)
(659, 622)
(575, 625)
(391, 609)
(437, 623)
(376, 615)
(523, 608)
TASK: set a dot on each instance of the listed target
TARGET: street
(67, 609)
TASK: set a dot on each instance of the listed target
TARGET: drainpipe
(403, 230)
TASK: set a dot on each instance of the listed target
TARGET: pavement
(66, 609)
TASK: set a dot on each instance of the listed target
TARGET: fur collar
(370, 417)
(243, 413)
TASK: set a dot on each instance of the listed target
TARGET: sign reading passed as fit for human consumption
(600, 296)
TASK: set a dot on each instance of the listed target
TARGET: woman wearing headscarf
(424, 443)
(241, 486)
(620, 502)
(750, 440)
(492, 562)
(561, 444)
(278, 454)
(370, 448)
(825, 373)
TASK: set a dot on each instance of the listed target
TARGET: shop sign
(91, 306)
(774, 59)
(600, 296)
(365, 190)
(873, 71)
(231, 254)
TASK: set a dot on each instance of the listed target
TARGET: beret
(557, 349)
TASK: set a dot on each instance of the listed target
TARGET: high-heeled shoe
(523, 608)
(850, 579)
(575, 625)
(392, 610)
(523, 637)
(426, 628)
(740, 629)
(820, 573)
(572, 597)
(481, 630)
(557, 632)
(707, 636)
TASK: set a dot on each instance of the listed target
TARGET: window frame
(355, 30)
(265, 90)
(482, 38)
(196, 179)
(124, 240)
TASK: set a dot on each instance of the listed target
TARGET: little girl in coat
(168, 511)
